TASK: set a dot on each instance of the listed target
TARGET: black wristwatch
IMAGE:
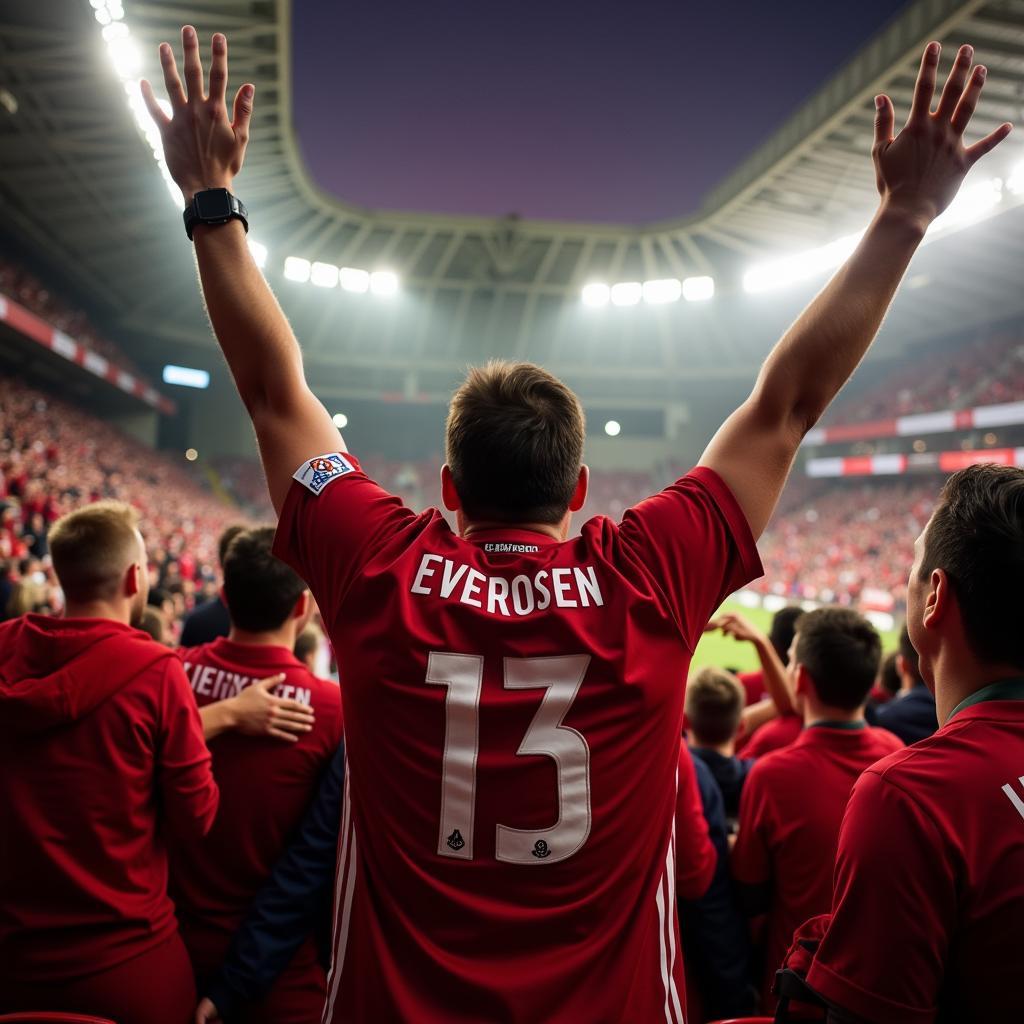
(214, 206)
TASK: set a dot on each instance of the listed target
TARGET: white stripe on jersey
(661, 939)
(671, 870)
(345, 832)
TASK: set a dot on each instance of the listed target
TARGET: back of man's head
(841, 651)
(260, 590)
(714, 704)
(783, 629)
(93, 548)
(889, 674)
(976, 535)
(514, 444)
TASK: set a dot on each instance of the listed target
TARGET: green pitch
(718, 650)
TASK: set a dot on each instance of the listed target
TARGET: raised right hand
(203, 149)
(206, 1013)
(921, 169)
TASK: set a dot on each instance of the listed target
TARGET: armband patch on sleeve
(317, 473)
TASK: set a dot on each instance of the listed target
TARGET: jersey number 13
(561, 678)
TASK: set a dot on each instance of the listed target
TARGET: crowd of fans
(26, 289)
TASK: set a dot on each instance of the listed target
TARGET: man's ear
(579, 496)
(802, 682)
(449, 495)
(938, 601)
(132, 579)
(302, 609)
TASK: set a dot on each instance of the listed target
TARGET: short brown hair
(259, 589)
(92, 547)
(228, 534)
(841, 650)
(514, 443)
(714, 705)
(976, 535)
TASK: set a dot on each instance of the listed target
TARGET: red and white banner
(924, 462)
(983, 417)
(38, 330)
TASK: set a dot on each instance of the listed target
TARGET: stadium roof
(80, 184)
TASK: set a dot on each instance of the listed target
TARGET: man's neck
(954, 687)
(557, 531)
(114, 611)
(818, 714)
(726, 749)
(283, 637)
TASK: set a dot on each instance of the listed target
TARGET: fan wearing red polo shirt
(793, 801)
(265, 784)
(513, 697)
(101, 758)
(930, 869)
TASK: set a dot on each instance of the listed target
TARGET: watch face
(213, 204)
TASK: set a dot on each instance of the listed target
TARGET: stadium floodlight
(324, 275)
(124, 54)
(191, 454)
(971, 204)
(186, 376)
(354, 280)
(297, 269)
(340, 420)
(383, 282)
(1015, 182)
(698, 289)
(613, 428)
(259, 252)
(627, 293)
(798, 267)
(668, 289)
(596, 294)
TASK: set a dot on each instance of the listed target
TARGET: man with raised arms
(507, 847)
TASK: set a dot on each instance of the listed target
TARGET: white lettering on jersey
(577, 587)
(1014, 798)
(207, 681)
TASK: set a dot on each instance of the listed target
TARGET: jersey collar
(847, 725)
(1004, 689)
(510, 535)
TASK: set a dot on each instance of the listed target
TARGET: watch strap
(237, 211)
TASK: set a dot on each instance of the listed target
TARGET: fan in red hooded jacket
(101, 748)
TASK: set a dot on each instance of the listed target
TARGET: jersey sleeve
(188, 791)
(894, 902)
(696, 857)
(695, 542)
(334, 520)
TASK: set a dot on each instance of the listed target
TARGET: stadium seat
(43, 1017)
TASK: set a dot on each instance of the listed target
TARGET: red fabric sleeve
(696, 857)
(696, 544)
(188, 793)
(893, 910)
(751, 856)
(327, 537)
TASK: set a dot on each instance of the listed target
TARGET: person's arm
(284, 911)
(258, 712)
(917, 173)
(204, 149)
(742, 629)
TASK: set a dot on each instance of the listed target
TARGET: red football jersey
(753, 686)
(790, 812)
(775, 734)
(265, 786)
(513, 708)
(928, 911)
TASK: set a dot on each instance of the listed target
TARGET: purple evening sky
(572, 110)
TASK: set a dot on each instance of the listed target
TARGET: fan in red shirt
(265, 784)
(793, 800)
(513, 697)
(930, 870)
(101, 751)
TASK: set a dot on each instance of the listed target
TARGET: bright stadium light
(340, 420)
(324, 275)
(1015, 182)
(354, 280)
(383, 282)
(191, 454)
(613, 428)
(259, 252)
(971, 204)
(595, 294)
(802, 265)
(186, 376)
(657, 292)
(698, 289)
(297, 269)
(627, 293)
